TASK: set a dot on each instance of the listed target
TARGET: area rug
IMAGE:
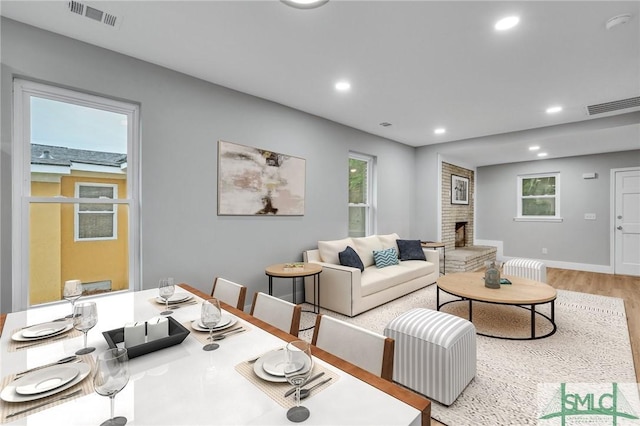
(591, 345)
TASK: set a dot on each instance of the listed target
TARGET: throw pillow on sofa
(349, 257)
(384, 258)
(410, 250)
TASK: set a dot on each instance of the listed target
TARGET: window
(539, 197)
(361, 195)
(76, 192)
(96, 221)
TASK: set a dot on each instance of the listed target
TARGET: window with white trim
(539, 197)
(75, 174)
(96, 221)
(361, 195)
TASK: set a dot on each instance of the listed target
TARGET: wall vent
(613, 106)
(93, 13)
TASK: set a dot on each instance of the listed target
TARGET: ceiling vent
(613, 106)
(82, 9)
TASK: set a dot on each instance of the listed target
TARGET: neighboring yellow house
(87, 242)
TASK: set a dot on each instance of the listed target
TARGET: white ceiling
(416, 64)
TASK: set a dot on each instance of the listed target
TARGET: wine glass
(112, 375)
(72, 292)
(210, 315)
(85, 317)
(166, 290)
(297, 368)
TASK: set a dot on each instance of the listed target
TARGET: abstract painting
(253, 181)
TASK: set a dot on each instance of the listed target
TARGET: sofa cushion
(373, 280)
(349, 257)
(365, 246)
(410, 250)
(389, 240)
(384, 258)
(329, 249)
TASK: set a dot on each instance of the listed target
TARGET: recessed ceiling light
(507, 23)
(304, 4)
(385, 124)
(554, 109)
(542, 154)
(534, 148)
(439, 130)
(343, 86)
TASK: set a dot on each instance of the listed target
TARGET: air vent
(94, 14)
(613, 106)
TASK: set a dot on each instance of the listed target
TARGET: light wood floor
(622, 286)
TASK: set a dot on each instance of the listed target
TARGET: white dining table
(185, 385)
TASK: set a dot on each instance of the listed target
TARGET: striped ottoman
(435, 353)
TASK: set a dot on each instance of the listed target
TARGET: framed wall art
(459, 190)
(254, 181)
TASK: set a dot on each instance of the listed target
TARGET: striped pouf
(435, 353)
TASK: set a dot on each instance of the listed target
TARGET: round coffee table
(522, 292)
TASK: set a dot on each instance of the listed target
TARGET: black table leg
(270, 285)
(533, 321)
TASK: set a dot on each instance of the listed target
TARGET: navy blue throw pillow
(349, 257)
(410, 250)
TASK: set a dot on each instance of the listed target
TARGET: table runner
(276, 391)
(15, 345)
(6, 408)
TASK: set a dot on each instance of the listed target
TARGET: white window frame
(23, 90)
(113, 213)
(370, 205)
(535, 218)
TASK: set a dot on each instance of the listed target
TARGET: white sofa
(349, 291)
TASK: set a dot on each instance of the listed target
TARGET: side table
(437, 245)
(281, 270)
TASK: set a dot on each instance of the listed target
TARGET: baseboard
(587, 267)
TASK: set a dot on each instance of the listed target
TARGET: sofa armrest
(432, 256)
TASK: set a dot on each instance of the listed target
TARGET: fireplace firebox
(461, 234)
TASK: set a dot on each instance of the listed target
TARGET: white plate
(44, 380)
(43, 330)
(274, 362)
(259, 370)
(226, 322)
(18, 337)
(176, 298)
(9, 393)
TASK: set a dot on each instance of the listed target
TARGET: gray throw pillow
(410, 250)
(349, 257)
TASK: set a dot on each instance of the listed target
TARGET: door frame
(612, 215)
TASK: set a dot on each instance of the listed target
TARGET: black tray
(177, 333)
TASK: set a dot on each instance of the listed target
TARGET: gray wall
(182, 120)
(574, 240)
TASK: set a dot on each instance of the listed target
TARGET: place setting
(288, 375)
(170, 299)
(41, 334)
(36, 388)
(217, 323)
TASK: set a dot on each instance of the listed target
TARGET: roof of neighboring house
(61, 156)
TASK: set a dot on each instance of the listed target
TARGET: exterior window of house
(539, 197)
(75, 168)
(361, 195)
(96, 221)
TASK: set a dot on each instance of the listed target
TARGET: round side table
(281, 270)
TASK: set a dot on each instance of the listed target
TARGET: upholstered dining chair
(229, 292)
(364, 348)
(277, 312)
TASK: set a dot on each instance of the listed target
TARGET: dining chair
(229, 292)
(364, 348)
(277, 312)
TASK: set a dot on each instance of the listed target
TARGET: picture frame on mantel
(259, 182)
(459, 190)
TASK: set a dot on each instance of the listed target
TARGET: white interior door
(627, 223)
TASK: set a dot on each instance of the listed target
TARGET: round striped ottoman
(435, 353)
